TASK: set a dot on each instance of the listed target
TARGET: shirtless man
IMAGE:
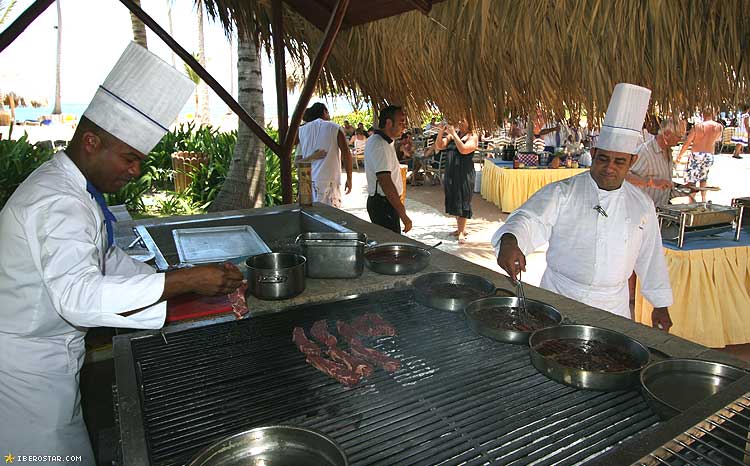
(703, 136)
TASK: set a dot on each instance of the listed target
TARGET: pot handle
(504, 293)
(272, 279)
(296, 240)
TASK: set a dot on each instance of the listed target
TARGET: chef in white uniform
(60, 272)
(599, 227)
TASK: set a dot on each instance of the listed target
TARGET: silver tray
(217, 244)
(701, 214)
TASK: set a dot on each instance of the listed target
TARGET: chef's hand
(510, 257)
(216, 280)
(660, 319)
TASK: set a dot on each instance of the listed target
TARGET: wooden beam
(22, 22)
(422, 5)
(204, 75)
(279, 60)
(332, 30)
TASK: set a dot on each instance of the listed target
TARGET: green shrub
(18, 159)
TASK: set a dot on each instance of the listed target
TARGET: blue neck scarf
(109, 217)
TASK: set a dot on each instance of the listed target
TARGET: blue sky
(94, 34)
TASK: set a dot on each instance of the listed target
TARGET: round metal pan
(273, 445)
(453, 291)
(674, 385)
(507, 311)
(588, 379)
(396, 259)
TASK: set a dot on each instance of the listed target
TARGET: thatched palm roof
(484, 58)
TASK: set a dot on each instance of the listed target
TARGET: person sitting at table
(348, 129)
(405, 149)
(598, 226)
(459, 147)
(358, 142)
(361, 126)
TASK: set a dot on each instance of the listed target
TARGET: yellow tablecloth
(508, 188)
(711, 298)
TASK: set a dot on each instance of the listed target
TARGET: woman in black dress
(459, 147)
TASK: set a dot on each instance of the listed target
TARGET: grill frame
(131, 413)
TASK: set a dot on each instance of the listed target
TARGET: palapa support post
(332, 30)
(279, 60)
(22, 22)
(205, 76)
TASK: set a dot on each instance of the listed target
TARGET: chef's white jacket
(591, 256)
(57, 278)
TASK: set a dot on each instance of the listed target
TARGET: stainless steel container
(275, 275)
(333, 255)
(699, 217)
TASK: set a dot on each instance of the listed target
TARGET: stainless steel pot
(397, 259)
(674, 385)
(276, 275)
(453, 291)
(274, 445)
(333, 255)
(508, 306)
(595, 380)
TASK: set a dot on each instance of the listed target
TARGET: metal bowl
(273, 446)
(435, 290)
(397, 259)
(579, 378)
(275, 275)
(507, 335)
(674, 385)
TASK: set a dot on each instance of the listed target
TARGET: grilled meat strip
(353, 364)
(303, 343)
(346, 330)
(376, 357)
(320, 332)
(332, 369)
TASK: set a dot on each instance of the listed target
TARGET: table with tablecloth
(710, 280)
(508, 188)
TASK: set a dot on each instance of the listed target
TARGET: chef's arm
(652, 272)
(510, 257)
(660, 319)
(386, 183)
(210, 280)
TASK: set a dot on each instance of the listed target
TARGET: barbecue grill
(458, 398)
(699, 219)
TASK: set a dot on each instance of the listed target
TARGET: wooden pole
(22, 22)
(279, 59)
(332, 30)
(205, 76)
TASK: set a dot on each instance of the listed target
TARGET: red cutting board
(191, 306)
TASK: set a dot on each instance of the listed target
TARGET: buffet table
(508, 188)
(711, 286)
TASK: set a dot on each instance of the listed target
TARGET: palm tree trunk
(245, 185)
(57, 110)
(204, 113)
(171, 31)
(139, 29)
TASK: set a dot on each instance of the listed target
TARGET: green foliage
(357, 116)
(18, 159)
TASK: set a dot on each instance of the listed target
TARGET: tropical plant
(18, 159)
(194, 77)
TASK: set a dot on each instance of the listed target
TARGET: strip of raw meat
(346, 330)
(368, 354)
(380, 325)
(319, 331)
(335, 370)
(306, 346)
(237, 298)
(353, 364)
(363, 326)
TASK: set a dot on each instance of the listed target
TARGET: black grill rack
(458, 398)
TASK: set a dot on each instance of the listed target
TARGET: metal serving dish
(453, 291)
(217, 244)
(588, 379)
(397, 259)
(273, 446)
(507, 309)
(675, 385)
(703, 217)
(333, 255)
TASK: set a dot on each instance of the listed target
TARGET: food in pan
(392, 257)
(587, 355)
(320, 332)
(512, 318)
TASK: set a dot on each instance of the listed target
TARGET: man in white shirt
(599, 228)
(319, 133)
(384, 183)
(60, 272)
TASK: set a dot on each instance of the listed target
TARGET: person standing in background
(703, 139)
(741, 132)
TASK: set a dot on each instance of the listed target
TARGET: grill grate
(721, 440)
(458, 398)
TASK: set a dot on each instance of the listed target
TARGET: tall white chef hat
(623, 122)
(140, 99)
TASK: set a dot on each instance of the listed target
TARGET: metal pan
(501, 318)
(595, 339)
(453, 291)
(397, 259)
(674, 385)
(274, 445)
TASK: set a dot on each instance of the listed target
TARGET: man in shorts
(703, 137)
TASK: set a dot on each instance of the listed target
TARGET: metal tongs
(520, 292)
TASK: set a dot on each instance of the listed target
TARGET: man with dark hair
(384, 183)
(60, 271)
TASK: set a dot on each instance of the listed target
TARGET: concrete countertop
(326, 290)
